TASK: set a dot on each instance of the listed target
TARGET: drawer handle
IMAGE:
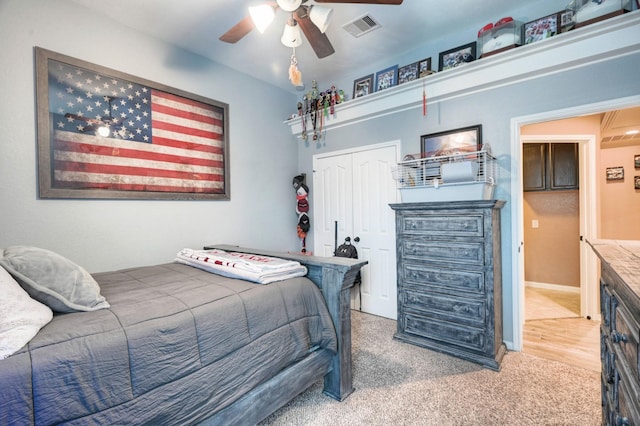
(619, 337)
(620, 421)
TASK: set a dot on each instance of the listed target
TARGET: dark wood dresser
(619, 330)
(449, 278)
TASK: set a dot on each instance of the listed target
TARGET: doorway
(588, 153)
(352, 192)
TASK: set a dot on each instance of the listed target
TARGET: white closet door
(356, 188)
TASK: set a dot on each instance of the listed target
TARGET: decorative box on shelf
(589, 11)
(456, 177)
(498, 37)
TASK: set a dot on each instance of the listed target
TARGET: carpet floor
(401, 384)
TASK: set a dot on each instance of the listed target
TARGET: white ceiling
(195, 25)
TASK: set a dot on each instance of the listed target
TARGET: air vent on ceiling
(361, 26)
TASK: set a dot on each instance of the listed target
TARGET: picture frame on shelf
(615, 173)
(457, 56)
(408, 73)
(543, 28)
(387, 78)
(465, 139)
(363, 86)
(104, 134)
(424, 67)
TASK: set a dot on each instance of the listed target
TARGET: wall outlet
(535, 224)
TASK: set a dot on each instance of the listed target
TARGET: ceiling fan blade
(238, 31)
(318, 41)
(361, 1)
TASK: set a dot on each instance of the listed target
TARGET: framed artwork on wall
(466, 139)
(106, 134)
(363, 86)
(615, 173)
(424, 67)
(636, 182)
(636, 161)
(408, 73)
(386, 78)
(457, 56)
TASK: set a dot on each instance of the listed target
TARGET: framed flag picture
(106, 134)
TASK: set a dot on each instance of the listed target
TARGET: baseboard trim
(547, 286)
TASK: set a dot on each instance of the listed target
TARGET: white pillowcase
(21, 317)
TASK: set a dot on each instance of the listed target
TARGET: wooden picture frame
(363, 86)
(457, 56)
(158, 142)
(466, 139)
(424, 67)
(615, 173)
(408, 73)
(387, 78)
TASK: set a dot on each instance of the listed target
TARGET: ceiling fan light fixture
(320, 16)
(289, 5)
(262, 16)
(104, 131)
(291, 36)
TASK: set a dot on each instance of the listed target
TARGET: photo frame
(466, 139)
(636, 161)
(542, 28)
(363, 86)
(424, 67)
(110, 135)
(387, 78)
(615, 173)
(636, 182)
(408, 73)
(457, 56)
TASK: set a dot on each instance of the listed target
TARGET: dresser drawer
(625, 334)
(453, 334)
(449, 308)
(467, 253)
(429, 277)
(470, 225)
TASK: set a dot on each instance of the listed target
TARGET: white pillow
(21, 317)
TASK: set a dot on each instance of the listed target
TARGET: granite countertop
(623, 256)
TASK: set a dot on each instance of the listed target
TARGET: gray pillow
(52, 279)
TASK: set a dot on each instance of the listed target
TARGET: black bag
(349, 250)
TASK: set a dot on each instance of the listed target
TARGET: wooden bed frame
(334, 276)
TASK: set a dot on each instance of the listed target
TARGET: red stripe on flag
(189, 115)
(87, 148)
(74, 166)
(158, 140)
(136, 187)
(161, 125)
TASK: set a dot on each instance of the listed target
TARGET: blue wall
(109, 234)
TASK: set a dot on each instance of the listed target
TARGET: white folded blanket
(251, 267)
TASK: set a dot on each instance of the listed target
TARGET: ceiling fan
(301, 15)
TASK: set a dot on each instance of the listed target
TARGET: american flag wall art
(105, 134)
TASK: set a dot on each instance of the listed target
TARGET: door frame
(516, 217)
(588, 213)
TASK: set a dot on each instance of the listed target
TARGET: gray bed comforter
(177, 345)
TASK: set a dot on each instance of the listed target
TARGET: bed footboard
(334, 276)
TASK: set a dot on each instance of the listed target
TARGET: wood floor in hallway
(554, 330)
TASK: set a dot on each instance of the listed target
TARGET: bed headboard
(334, 276)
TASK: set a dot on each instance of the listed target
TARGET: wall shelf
(601, 41)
